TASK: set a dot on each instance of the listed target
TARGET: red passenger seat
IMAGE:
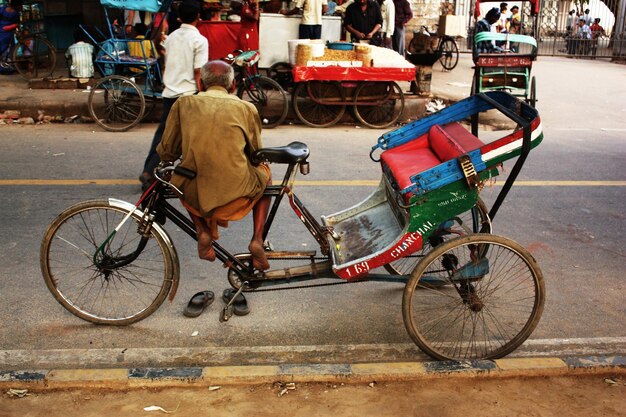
(440, 144)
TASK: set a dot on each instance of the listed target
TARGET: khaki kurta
(214, 132)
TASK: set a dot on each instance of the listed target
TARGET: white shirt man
(388, 10)
(185, 50)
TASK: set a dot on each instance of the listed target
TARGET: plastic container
(293, 48)
(341, 46)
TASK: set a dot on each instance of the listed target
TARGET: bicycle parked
(445, 50)
(31, 55)
(266, 94)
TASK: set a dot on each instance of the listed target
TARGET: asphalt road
(568, 210)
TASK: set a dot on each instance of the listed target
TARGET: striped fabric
(82, 59)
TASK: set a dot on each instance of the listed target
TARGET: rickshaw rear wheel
(386, 104)
(116, 103)
(532, 97)
(474, 220)
(306, 103)
(492, 302)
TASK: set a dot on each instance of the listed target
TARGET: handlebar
(163, 174)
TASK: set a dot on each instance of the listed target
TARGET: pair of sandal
(200, 301)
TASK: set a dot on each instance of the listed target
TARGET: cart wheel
(449, 54)
(492, 303)
(532, 99)
(308, 100)
(34, 57)
(116, 103)
(383, 103)
(268, 97)
(281, 73)
(473, 221)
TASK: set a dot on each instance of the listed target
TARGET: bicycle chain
(328, 284)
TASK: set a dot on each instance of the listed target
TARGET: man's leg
(203, 234)
(398, 40)
(152, 160)
(259, 215)
(316, 31)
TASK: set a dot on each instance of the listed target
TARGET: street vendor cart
(322, 93)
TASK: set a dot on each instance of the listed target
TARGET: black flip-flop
(198, 303)
(240, 306)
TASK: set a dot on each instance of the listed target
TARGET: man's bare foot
(259, 258)
(205, 247)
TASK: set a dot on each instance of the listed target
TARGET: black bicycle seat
(293, 153)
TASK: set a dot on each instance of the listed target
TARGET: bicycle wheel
(268, 97)
(281, 73)
(386, 104)
(449, 54)
(472, 221)
(493, 302)
(116, 296)
(313, 102)
(34, 57)
(116, 103)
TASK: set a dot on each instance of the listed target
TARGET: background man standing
(363, 20)
(312, 11)
(388, 10)
(186, 50)
(403, 15)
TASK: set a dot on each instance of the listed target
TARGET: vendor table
(322, 94)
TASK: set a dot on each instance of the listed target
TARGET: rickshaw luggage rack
(130, 86)
(469, 295)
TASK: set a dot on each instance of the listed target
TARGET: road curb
(120, 378)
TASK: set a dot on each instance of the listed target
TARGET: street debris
(214, 387)
(157, 408)
(58, 154)
(11, 117)
(435, 105)
(195, 333)
(372, 384)
(285, 388)
(19, 393)
(613, 382)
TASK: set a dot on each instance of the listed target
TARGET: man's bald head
(217, 73)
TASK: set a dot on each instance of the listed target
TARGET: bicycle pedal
(227, 313)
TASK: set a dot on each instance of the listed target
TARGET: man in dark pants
(403, 15)
(312, 11)
(186, 50)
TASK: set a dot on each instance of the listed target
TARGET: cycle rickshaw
(506, 71)
(469, 294)
(130, 86)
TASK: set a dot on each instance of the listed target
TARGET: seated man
(214, 133)
(485, 25)
(80, 56)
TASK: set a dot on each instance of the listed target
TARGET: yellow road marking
(321, 183)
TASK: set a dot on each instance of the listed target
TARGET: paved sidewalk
(64, 103)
